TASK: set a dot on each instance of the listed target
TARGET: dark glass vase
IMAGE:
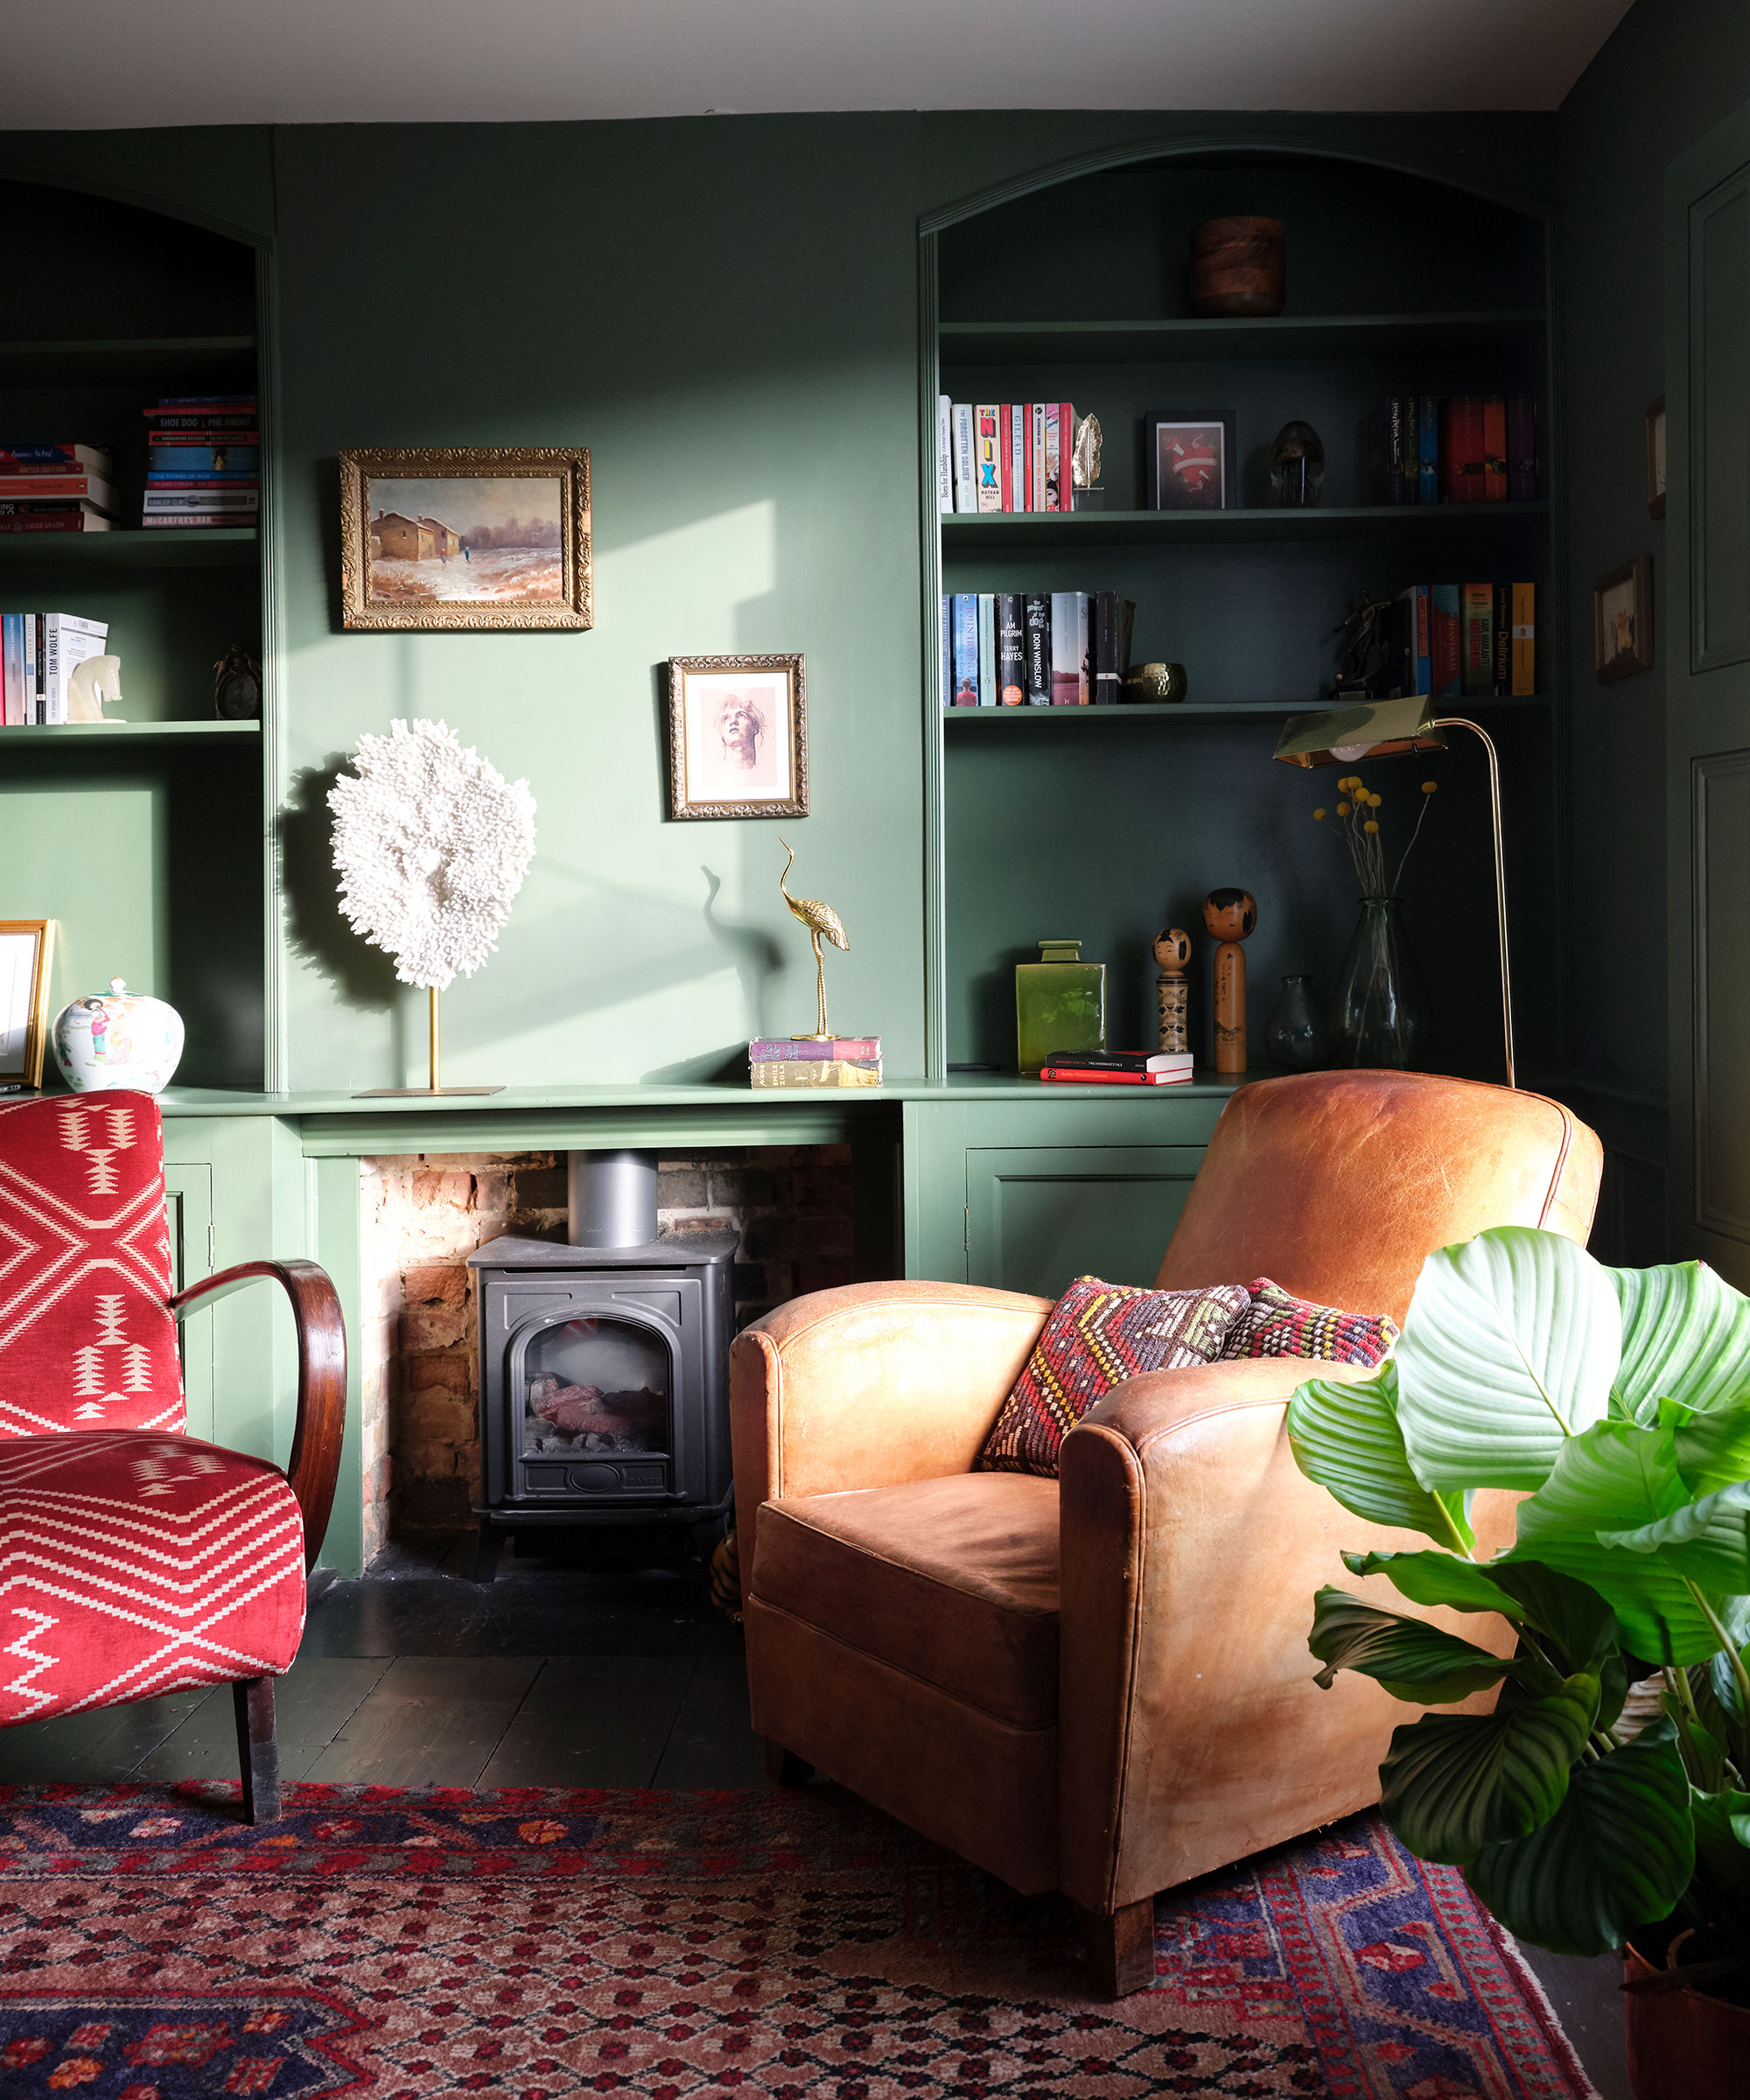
(1296, 1035)
(1379, 1017)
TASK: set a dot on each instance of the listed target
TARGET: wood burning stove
(604, 1386)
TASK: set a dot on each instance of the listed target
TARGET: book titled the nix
(839, 1060)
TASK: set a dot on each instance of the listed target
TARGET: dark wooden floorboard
(94, 1746)
(430, 1721)
(594, 1721)
(712, 1743)
(313, 1702)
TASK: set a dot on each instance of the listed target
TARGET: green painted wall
(1672, 70)
(725, 312)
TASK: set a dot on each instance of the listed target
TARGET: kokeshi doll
(1172, 992)
(1231, 915)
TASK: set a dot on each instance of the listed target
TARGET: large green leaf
(1509, 1350)
(1413, 1660)
(1347, 1438)
(1571, 1612)
(1617, 1853)
(1685, 1336)
(1709, 1541)
(1712, 1449)
(1614, 1477)
(1435, 1578)
(1456, 1782)
(1722, 1829)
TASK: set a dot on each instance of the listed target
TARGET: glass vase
(1379, 1017)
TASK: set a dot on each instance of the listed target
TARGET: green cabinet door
(1037, 1216)
(188, 1209)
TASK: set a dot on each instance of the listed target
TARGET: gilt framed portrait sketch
(737, 737)
(1191, 461)
(459, 537)
(1622, 620)
(26, 952)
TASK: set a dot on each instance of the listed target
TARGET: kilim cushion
(86, 1339)
(133, 1563)
(1098, 1335)
(1276, 1323)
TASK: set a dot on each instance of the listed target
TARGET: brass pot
(1239, 268)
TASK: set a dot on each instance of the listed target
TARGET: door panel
(1719, 424)
(188, 1208)
(1039, 1217)
(1722, 997)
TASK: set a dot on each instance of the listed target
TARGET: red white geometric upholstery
(133, 1563)
(86, 1339)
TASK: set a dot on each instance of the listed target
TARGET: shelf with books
(1161, 527)
(1285, 336)
(122, 359)
(171, 547)
(1237, 710)
(65, 734)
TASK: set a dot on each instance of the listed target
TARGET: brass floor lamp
(1387, 729)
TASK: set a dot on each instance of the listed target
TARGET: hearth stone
(603, 1384)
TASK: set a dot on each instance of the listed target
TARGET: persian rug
(541, 1944)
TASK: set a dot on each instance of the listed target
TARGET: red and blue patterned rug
(541, 1944)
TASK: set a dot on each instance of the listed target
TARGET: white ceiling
(102, 63)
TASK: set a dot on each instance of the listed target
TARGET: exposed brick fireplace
(421, 1215)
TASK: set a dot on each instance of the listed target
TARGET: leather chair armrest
(321, 1378)
(1192, 1733)
(869, 1386)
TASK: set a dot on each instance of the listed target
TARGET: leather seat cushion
(952, 1580)
(133, 1563)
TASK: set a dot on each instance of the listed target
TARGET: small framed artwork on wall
(26, 951)
(1655, 458)
(737, 737)
(1622, 620)
(1192, 464)
(460, 537)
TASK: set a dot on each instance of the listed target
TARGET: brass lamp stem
(431, 994)
(1476, 730)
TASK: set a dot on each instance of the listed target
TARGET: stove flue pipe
(612, 1198)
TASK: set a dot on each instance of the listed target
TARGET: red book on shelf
(1495, 448)
(1003, 446)
(1083, 1076)
(1461, 449)
(1066, 439)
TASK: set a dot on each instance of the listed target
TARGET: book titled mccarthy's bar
(808, 1049)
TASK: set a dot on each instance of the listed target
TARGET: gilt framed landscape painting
(467, 538)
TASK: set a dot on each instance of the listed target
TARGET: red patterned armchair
(135, 1560)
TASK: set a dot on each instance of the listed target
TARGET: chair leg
(257, 1749)
(1120, 1947)
(784, 1768)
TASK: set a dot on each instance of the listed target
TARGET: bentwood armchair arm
(321, 1378)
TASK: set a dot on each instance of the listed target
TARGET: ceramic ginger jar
(117, 1038)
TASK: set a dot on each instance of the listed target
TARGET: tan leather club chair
(1103, 1687)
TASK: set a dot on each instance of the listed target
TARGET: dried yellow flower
(1342, 808)
(1370, 825)
(1318, 816)
(1429, 787)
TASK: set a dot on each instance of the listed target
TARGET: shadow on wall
(317, 932)
(755, 956)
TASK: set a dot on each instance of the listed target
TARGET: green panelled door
(1037, 1216)
(1707, 655)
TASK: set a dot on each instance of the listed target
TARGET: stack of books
(1012, 648)
(204, 463)
(1004, 457)
(39, 653)
(47, 487)
(1463, 642)
(1456, 448)
(1118, 1068)
(838, 1060)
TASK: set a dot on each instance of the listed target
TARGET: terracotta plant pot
(1684, 2045)
(1238, 267)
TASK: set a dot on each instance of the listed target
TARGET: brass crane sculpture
(819, 919)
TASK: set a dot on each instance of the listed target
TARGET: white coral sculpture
(431, 843)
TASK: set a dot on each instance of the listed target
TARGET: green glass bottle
(1060, 1005)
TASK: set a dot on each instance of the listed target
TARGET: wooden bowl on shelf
(1239, 268)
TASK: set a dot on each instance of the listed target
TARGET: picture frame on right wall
(1622, 620)
(1192, 459)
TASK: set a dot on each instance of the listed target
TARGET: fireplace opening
(595, 1385)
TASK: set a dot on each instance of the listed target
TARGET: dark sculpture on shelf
(1368, 672)
(1297, 467)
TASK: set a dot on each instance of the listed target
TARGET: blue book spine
(12, 665)
(946, 637)
(1428, 448)
(242, 476)
(987, 648)
(205, 459)
(965, 650)
(1418, 663)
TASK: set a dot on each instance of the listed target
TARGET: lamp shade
(1372, 729)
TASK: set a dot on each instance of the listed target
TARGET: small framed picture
(26, 950)
(1192, 464)
(1622, 620)
(467, 538)
(737, 737)
(1655, 458)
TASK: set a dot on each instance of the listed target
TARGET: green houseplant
(1618, 1400)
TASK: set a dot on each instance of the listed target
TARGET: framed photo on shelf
(737, 737)
(26, 951)
(1622, 620)
(1193, 463)
(1655, 458)
(459, 537)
